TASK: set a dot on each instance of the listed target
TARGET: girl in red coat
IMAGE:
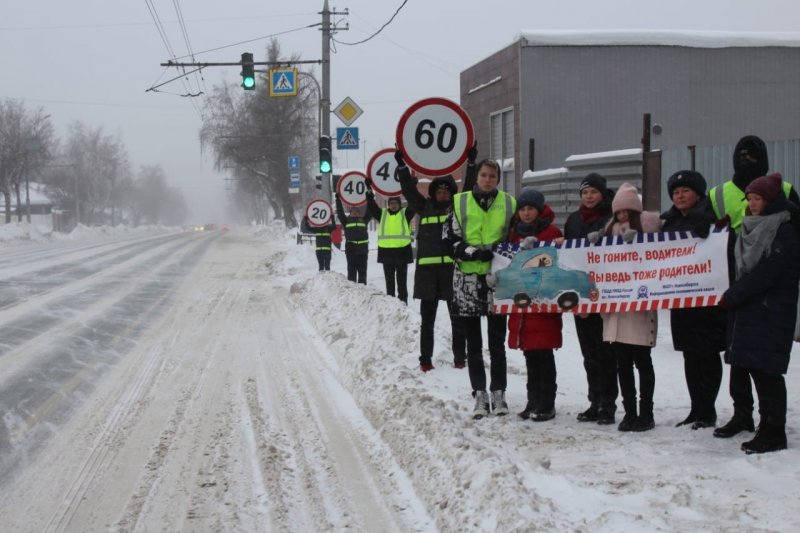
(536, 334)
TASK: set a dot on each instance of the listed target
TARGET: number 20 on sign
(434, 135)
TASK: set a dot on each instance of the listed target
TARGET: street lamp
(31, 145)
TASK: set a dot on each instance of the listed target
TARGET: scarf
(755, 240)
(484, 199)
(590, 215)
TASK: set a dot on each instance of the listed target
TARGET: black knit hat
(596, 181)
(687, 178)
(530, 197)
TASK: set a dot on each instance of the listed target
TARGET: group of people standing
(753, 325)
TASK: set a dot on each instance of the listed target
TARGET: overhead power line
(379, 29)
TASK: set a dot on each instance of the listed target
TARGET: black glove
(369, 193)
(483, 255)
(472, 153)
(398, 156)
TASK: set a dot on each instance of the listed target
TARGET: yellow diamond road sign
(348, 111)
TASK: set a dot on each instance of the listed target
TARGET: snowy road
(165, 384)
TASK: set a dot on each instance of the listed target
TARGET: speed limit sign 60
(382, 171)
(319, 213)
(352, 188)
(434, 135)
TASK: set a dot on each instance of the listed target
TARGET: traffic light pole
(325, 102)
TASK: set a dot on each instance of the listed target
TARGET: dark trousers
(771, 390)
(703, 372)
(598, 361)
(427, 311)
(324, 259)
(541, 366)
(627, 356)
(397, 272)
(497, 351)
(357, 267)
(741, 391)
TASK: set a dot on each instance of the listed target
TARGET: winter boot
(738, 423)
(426, 367)
(589, 415)
(769, 438)
(605, 415)
(543, 415)
(644, 422)
(629, 420)
(499, 405)
(691, 419)
(527, 412)
(481, 405)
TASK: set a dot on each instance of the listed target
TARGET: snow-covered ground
(273, 397)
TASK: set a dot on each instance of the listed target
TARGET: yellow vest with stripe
(480, 228)
(730, 200)
(393, 230)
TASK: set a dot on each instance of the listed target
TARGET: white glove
(491, 280)
(528, 242)
(593, 237)
(629, 234)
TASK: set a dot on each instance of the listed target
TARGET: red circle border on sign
(330, 210)
(369, 172)
(338, 183)
(446, 103)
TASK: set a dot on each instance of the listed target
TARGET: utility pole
(327, 30)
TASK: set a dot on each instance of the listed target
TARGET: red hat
(767, 187)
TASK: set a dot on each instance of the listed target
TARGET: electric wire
(379, 29)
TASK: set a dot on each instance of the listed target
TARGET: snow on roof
(544, 173)
(692, 39)
(601, 155)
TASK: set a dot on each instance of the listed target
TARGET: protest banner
(654, 271)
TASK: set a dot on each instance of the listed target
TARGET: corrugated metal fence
(560, 185)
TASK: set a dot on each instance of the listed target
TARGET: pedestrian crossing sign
(283, 82)
(347, 138)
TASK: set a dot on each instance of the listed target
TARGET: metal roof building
(551, 94)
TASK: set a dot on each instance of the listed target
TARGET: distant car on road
(225, 227)
(210, 227)
(534, 276)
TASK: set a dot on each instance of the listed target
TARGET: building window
(501, 146)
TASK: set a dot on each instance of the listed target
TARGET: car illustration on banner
(533, 276)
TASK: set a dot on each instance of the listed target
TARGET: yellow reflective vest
(393, 230)
(480, 228)
(730, 200)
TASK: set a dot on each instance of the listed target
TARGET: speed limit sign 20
(319, 213)
(434, 135)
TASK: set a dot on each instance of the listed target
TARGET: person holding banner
(394, 242)
(433, 277)
(536, 334)
(762, 305)
(598, 360)
(750, 161)
(480, 219)
(322, 240)
(698, 332)
(632, 335)
(356, 246)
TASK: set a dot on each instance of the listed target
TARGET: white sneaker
(481, 405)
(499, 405)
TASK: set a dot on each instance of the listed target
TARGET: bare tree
(255, 134)
(26, 144)
(153, 201)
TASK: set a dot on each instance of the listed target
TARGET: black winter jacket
(763, 303)
(355, 231)
(696, 329)
(575, 227)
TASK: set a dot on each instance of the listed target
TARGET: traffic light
(325, 165)
(319, 182)
(248, 72)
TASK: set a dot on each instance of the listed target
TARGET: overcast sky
(92, 60)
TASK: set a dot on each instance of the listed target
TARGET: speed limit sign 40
(382, 172)
(434, 135)
(319, 213)
(352, 188)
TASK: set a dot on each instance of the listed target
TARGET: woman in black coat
(762, 304)
(698, 332)
(598, 360)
